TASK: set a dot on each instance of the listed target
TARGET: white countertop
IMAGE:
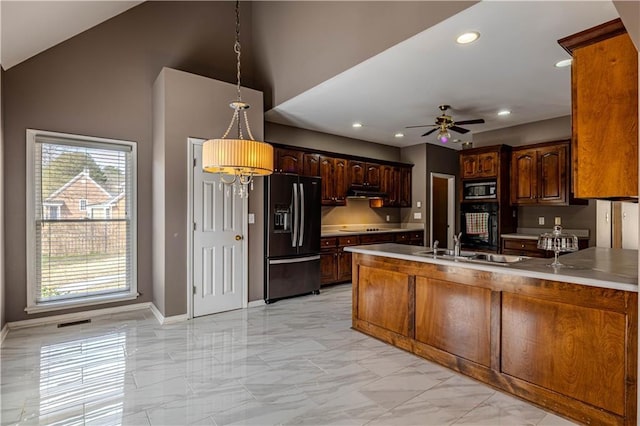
(346, 230)
(595, 266)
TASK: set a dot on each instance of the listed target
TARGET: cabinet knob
(522, 245)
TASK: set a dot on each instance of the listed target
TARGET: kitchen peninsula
(565, 339)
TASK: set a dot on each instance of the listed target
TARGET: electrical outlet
(388, 218)
(540, 220)
(252, 218)
(418, 204)
(558, 220)
(417, 215)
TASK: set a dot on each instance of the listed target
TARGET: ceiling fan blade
(459, 129)
(476, 121)
(430, 131)
(422, 125)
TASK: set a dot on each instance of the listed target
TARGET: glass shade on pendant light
(444, 135)
(239, 159)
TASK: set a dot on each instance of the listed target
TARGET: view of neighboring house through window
(81, 210)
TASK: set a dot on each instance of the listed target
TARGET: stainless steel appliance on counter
(292, 211)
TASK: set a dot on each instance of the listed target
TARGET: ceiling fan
(444, 122)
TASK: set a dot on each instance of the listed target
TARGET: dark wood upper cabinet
(540, 174)
(523, 176)
(339, 174)
(479, 165)
(390, 184)
(604, 81)
(333, 172)
(405, 187)
(364, 175)
(311, 164)
(288, 161)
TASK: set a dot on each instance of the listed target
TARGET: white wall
(192, 106)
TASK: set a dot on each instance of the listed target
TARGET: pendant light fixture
(237, 160)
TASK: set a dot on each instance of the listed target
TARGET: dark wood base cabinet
(568, 348)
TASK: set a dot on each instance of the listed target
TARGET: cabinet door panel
(488, 164)
(328, 181)
(328, 267)
(311, 165)
(469, 165)
(340, 181)
(455, 318)
(344, 265)
(288, 161)
(565, 348)
(372, 175)
(605, 139)
(385, 299)
(552, 187)
(523, 177)
(405, 187)
(356, 174)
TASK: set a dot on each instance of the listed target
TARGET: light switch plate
(558, 220)
(252, 218)
(417, 215)
(540, 220)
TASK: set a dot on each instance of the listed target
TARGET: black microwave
(479, 190)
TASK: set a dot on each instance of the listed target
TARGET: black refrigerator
(292, 241)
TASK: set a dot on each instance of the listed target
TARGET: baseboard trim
(3, 333)
(166, 320)
(76, 316)
(256, 303)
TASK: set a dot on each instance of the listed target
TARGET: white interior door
(218, 282)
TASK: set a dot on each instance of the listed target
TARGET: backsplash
(573, 217)
(357, 211)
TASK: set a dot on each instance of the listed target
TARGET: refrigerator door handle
(302, 207)
(294, 212)
(294, 260)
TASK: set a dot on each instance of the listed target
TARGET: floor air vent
(67, 324)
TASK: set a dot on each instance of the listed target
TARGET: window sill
(89, 301)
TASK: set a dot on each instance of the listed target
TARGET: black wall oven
(479, 226)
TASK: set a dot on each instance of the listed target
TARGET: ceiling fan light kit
(444, 123)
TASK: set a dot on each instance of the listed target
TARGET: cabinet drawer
(376, 238)
(520, 245)
(352, 240)
(328, 242)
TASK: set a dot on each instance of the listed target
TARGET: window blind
(83, 218)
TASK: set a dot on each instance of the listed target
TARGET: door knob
(238, 237)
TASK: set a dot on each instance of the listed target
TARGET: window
(77, 257)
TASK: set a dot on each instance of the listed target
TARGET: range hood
(365, 193)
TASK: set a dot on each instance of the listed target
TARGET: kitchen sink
(470, 256)
(445, 253)
(497, 258)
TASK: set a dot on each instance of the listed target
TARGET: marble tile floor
(294, 362)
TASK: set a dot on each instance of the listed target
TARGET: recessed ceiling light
(467, 38)
(504, 112)
(564, 63)
(399, 135)
(356, 125)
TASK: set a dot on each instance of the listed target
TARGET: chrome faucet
(456, 244)
(435, 245)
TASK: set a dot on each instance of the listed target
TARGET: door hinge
(194, 226)
(194, 290)
(195, 161)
